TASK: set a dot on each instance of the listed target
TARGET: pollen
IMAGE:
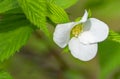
(77, 30)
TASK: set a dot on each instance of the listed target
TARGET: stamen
(77, 30)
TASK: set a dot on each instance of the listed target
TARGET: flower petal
(84, 52)
(94, 31)
(84, 18)
(61, 34)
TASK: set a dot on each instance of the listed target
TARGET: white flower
(81, 37)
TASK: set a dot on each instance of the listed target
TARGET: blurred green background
(41, 59)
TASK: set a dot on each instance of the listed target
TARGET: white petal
(84, 52)
(61, 34)
(94, 31)
(84, 18)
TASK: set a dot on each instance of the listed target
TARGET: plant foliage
(5, 75)
(14, 33)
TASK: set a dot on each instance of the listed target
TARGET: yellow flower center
(76, 30)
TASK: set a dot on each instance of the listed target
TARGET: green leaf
(114, 36)
(5, 75)
(6, 5)
(109, 56)
(57, 14)
(14, 33)
(35, 11)
(66, 50)
(15, 11)
(89, 13)
(64, 3)
(78, 19)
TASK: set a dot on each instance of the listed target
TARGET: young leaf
(14, 33)
(89, 13)
(64, 3)
(35, 11)
(5, 75)
(57, 14)
(114, 36)
(6, 5)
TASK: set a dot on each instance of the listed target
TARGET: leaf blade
(64, 3)
(57, 14)
(114, 36)
(8, 5)
(36, 12)
(109, 54)
(13, 35)
(109, 58)
(5, 75)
